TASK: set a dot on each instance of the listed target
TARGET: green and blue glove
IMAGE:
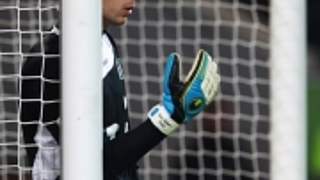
(182, 101)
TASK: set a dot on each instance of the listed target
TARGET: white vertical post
(288, 89)
(82, 90)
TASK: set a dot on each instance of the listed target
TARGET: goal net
(22, 24)
(230, 140)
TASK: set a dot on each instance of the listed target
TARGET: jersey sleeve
(30, 110)
(38, 85)
(124, 151)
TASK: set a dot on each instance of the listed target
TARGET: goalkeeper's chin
(119, 21)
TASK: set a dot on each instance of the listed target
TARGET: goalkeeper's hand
(184, 100)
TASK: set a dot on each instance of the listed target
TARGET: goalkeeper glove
(183, 100)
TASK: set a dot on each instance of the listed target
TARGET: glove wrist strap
(161, 119)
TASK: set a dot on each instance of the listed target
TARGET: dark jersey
(40, 91)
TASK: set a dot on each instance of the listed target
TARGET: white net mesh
(229, 141)
(22, 24)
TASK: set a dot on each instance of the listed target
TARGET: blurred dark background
(314, 88)
(314, 22)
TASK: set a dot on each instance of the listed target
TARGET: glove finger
(201, 85)
(172, 84)
(195, 67)
(193, 99)
(173, 87)
(211, 81)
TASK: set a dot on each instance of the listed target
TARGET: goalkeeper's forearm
(124, 151)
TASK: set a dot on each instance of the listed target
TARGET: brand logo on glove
(196, 104)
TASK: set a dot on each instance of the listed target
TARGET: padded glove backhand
(184, 100)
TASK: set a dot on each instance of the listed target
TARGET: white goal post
(82, 130)
(288, 90)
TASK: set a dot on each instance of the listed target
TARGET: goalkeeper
(181, 101)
